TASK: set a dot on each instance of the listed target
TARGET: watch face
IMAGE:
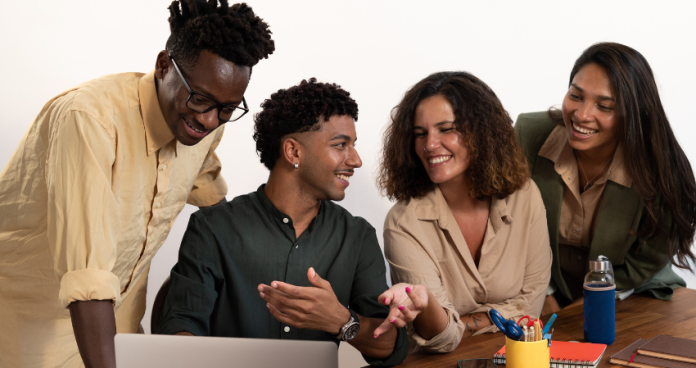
(352, 331)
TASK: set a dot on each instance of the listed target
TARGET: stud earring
(296, 166)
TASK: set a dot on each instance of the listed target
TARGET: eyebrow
(599, 97)
(342, 136)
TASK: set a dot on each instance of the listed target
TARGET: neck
(597, 156)
(283, 191)
(456, 193)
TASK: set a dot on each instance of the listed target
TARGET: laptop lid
(146, 351)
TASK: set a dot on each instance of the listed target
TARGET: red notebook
(567, 354)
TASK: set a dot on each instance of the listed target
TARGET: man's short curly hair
(497, 166)
(235, 33)
(298, 109)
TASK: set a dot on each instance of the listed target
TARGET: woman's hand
(405, 302)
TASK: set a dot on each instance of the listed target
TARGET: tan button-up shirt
(579, 211)
(86, 200)
(424, 245)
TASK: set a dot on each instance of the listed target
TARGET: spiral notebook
(567, 354)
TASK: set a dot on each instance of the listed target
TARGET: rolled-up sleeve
(410, 263)
(82, 216)
(210, 187)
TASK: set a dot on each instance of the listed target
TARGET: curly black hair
(295, 110)
(235, 33)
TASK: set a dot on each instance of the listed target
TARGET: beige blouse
(424, 245)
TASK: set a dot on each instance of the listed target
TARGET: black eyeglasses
(201, 103)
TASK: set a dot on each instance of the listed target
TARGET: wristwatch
(350, 329)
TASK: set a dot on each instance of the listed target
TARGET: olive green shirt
(229, 249)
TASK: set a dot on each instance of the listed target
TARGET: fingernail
(268, 305)
(312, 272)
(401, 307)
(392, 321)
(384, 301)
(274, 285)
(408, 289)
(376, 336)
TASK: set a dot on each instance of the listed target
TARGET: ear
(291, 151)
(162, 65)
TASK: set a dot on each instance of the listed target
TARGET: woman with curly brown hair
(469, 231)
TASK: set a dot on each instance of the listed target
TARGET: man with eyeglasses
(92, 191)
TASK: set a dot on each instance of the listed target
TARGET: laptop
(147, 351)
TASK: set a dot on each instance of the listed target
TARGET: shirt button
(287, 329)
(159, 204)
(285, 220)
(519, 307)
(149, 239)
(152, 149)
(296, 246)
(577, 229)
(164, 167)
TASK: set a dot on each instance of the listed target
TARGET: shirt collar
(433, 206)
(557, 149)
(157, 132)
(275, 212)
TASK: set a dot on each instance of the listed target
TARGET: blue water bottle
(600, 307)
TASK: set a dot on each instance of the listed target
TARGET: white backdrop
(374, 49)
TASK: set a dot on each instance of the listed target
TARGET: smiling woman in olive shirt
(469, 231)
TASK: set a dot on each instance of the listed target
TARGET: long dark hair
(498, 166)
(661, 173)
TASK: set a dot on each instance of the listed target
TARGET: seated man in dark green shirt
(285, 262)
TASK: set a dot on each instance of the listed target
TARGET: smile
(440, 159)
(192, 128)
(583, 131)
(343, 177)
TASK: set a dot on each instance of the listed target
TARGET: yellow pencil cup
(520, 354)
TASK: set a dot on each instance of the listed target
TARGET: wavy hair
(497, 166)
(662, 175)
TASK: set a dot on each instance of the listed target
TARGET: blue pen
(548, 324)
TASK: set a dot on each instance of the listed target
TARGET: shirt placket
(294, 261)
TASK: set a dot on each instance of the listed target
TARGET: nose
(353, 159)
(432, 143)
(209, 119)
(585, 111)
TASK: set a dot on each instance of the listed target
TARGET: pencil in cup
(520, 354)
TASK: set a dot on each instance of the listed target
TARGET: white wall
(374, 49)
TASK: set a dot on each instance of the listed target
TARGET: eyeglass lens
(201, 104)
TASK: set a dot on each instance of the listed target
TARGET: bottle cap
(600, 264)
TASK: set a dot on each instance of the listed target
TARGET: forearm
(432, 320)
(366, 343)
(474, 322)
(95, 327)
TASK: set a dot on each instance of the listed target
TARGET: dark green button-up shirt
(229, 249)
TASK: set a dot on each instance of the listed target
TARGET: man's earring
(296, 166)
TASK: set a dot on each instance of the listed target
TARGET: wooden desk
(637, 316)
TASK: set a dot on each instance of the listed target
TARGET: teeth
(194, 129)
(439, 159)
(582, 130)
(343, 177)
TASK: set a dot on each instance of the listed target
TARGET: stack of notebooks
(662, 351)
(567, 354)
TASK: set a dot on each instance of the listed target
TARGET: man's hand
(405, 302)
(314, 308)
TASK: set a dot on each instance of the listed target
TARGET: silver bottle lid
(600, 264)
